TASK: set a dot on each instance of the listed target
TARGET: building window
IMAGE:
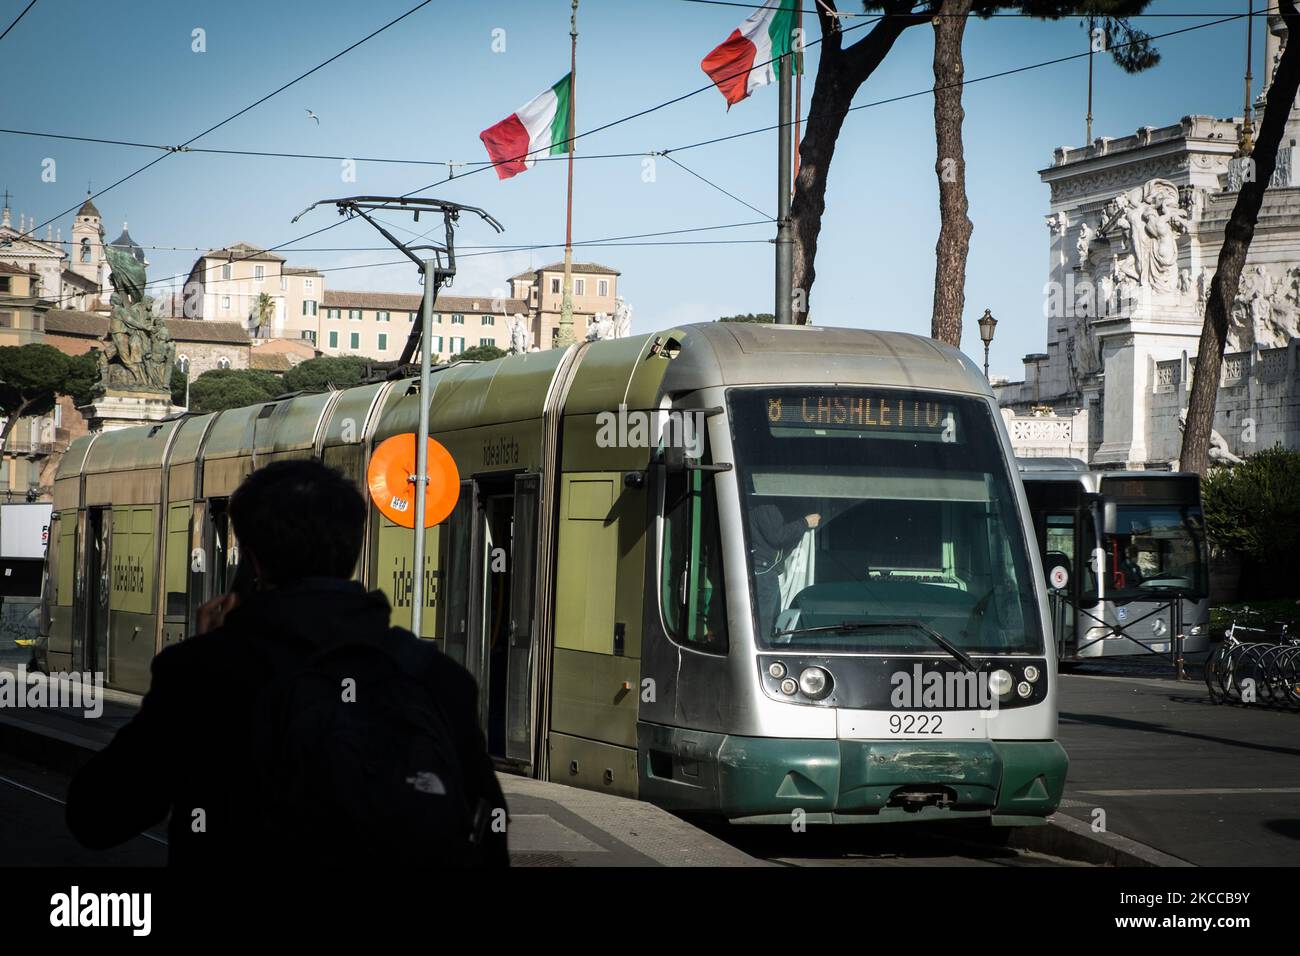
(489, 320)
(6, 320)
(488, 341)
(354, 315)
(437, 318)
(457, 345)
(284, 283)
(383, 342)
(225, 271)
(602, 287)
(223, 362)
(334, 340)
(381, 316)
(225, 302)
(38, 322)
(259, 273)
(579, 286)
(4, 284)
(85, 250)
(308, 306)
(410, 317)
(310, 336)
(331, 313)
(354, 340)
(457, 319)
(308, 285)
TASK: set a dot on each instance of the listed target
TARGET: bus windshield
(1155, 548)
(872, 507)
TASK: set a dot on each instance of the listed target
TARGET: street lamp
(987, 324)
(183, 363)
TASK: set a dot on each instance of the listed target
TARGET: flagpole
(566, 336)
(798, 99)
(784, 251)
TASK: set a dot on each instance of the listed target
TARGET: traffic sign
(391, 480)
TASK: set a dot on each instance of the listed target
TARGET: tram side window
(692, 596)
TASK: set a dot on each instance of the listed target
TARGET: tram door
(98, 590)
(499, 645)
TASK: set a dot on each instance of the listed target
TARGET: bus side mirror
(1109, 516)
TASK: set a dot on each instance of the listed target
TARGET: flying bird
(313, 116)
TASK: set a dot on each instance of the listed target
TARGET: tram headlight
(1001, 682)
(1031, 673)
(789, 686)
(815, 682)
(776, 669)
(1195, 630)
(1024, 688)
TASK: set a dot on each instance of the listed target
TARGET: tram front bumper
(882, 780)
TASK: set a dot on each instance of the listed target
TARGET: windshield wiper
(958, 654)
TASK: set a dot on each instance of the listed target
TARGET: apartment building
(228, 285)
(595, 289)
(377, 324)
(22, 311)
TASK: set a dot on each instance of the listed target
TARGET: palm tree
(263, 310)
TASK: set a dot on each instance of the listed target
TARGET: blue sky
(425, 88)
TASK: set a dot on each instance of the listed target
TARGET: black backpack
(355, 763)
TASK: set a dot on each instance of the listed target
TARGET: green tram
(707, 567)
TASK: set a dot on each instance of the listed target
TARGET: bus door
(1059, 543)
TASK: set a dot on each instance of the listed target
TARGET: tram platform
(1174, 779)
(550, 824)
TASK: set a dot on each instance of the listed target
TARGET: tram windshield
(872, 507)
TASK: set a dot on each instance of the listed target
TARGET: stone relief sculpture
(1220, 453)
(138, 352)
(1151, 225)
(1084, 243)
(1266, 312)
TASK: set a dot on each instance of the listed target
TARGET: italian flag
(741, 64)
(541, 126)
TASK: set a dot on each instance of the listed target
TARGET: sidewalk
(550, 824)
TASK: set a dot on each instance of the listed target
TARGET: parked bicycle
(1254, 665)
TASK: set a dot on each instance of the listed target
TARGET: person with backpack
(298, 727)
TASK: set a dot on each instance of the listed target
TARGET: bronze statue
(138, 352)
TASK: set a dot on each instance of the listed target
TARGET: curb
(54, 749)
(1062, 836)
(1072, 839)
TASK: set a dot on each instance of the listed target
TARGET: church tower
(86, 258)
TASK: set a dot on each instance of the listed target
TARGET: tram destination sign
(814, 412)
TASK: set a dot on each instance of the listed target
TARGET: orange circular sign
(391, 479)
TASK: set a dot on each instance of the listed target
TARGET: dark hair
(300, 519)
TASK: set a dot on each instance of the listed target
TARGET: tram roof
(745, 353)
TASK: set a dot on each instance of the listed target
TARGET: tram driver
(771, 540)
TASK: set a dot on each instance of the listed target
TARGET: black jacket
(191, 744)
(772, 537)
